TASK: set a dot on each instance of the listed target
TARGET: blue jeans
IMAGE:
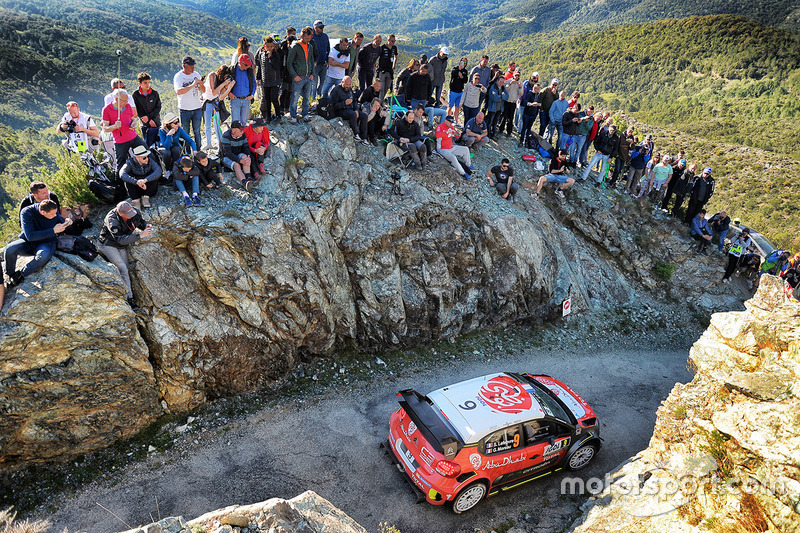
(320, 78)
(435, 112)
(544, 120)
(552, 128)
(41, 252)
(195, 185)
(470, 113)
(527, 123)
(416, 101)
(329, 84)
(240, 110)
(209, 110)
(721, 237)
(302, 86)
(603, 162)
(190, 120)
(584, 154)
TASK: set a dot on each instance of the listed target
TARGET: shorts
(454, 99)
(556, 178)
(229, 162)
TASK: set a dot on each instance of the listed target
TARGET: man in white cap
(437, 68)
(122, 227)
(140, 174)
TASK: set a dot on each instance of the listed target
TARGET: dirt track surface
(329, 443)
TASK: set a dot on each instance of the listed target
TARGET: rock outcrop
(322, 256)
(725, 454)
(306, 513)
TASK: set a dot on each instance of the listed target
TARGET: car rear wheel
(469, 497)
(581, 457)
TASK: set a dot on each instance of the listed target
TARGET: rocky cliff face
(321, 257)
(725, 454)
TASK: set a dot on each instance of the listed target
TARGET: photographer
(82, 133)
(122, 226)
(700, 231)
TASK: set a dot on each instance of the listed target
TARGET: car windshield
(548, 402)
(763, 243)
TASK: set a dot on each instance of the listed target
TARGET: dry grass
(751, 518)
(9, 524)
(692, 512)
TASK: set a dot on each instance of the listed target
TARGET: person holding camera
(700, 231)
(82, 133)
(122, 226)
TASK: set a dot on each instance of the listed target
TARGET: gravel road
(327, 441)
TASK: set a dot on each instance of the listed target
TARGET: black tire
(469, 497)
(581, 457)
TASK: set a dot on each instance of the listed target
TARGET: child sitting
(210, 171)
(183, 170)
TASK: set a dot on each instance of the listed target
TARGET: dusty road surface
(329, 442)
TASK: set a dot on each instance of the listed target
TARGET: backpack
(325, 108)
(105, 191)
(77, 245)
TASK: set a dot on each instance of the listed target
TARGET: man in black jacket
(570, 121)
(701, 193)
(418, 87)
(683, 186)
(720, 224)
(122, 226)
(148, 107)
(286, 84)
(406, 132)
(269, 73)
(140, 174)
(344, 103)
(604, 143)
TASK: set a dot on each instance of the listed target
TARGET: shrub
(664, 270)
(69, 181)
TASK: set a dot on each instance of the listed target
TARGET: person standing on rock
(122, 227)
(701, 193)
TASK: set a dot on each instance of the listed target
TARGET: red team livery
(463, 442)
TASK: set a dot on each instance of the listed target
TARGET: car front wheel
(469, 498)
(581, 457)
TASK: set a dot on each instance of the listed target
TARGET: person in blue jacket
(701, 232)
(41, 224)
(170, 135)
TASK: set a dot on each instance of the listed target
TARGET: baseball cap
(258, 122)
(707, 170)
(449, 118)
(554, 80)
(187, 60)
(126, 209)
(141, 151)
(236, 124)
(682, 162)
(535, 74)
(244, 60)
(318, 24)
(445, 50)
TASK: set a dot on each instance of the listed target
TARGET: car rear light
(448, 468)
(589, 422)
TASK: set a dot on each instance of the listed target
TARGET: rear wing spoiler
(435, 431)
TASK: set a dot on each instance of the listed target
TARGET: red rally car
(475, 438)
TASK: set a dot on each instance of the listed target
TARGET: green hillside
(722, 82)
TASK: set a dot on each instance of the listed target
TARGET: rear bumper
(433, 496)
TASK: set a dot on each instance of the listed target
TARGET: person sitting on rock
(122, 226)
(237, 154)
(41, 224)
(170, 137)
(557, 174)
(476, 133)
(445, 133)
(140, 174)
(210, 170)
(185, 170)
(258, 139)
(407, 134)
(38, 192)
(346, 107)
(503, 180)
(378, 122)
(700, 231)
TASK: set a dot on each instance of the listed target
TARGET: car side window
(502, 441)
(538, 431)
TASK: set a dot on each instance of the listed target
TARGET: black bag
(325, 108)
(77, 245)
(105, 191)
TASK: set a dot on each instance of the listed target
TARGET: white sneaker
(358, 138)
(293, 120)
(560, 194)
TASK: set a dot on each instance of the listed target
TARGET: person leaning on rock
(122, 227)
(41, 224)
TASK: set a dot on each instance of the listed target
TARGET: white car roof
(478, 406)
